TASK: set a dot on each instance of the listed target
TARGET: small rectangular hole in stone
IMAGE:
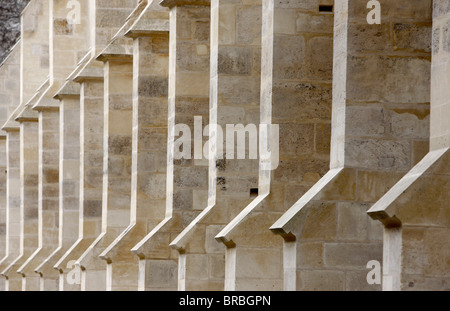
(326, 8)
(253, 192)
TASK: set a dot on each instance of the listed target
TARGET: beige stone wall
(28, 213)
(440, 112)
(296, 95)
(415, 211)
(13, 215)
(3, 219)
(9, 99)
(117, 154)
(375, 108)
(34, 47)
(91, 178)
(149, 149)
(234, 99)
(188, 85)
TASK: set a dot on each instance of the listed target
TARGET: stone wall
(105, 184)
(415, 211)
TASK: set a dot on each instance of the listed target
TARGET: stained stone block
(100, 186)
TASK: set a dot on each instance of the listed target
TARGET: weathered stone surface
(91, 176)
(10, 25)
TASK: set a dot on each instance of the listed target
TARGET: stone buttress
(380, 121)
(188, 88)
(416, 211)
(235, 75)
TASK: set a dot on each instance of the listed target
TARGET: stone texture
(93, 197)
(10, 25)
(376, 129)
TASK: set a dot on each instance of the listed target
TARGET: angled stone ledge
(187, 92)
(25, 107)
(153, 20)
(11, 126)
(386, 211)
(35, 54)
(46, 102)
(120, 48)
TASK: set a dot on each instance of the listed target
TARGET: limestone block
(418, 256)
(287, 80)
(367, 129)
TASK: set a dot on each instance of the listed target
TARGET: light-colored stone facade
(94, 195)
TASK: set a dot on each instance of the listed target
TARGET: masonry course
(94, 194)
